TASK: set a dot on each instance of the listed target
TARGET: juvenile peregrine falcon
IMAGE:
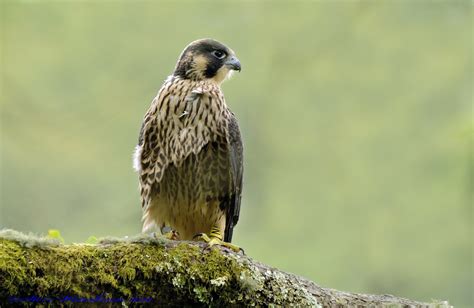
(189, 152)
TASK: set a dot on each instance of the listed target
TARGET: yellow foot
(172, 235)
(169, 233)
(212, 241)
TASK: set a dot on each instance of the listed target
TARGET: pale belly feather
(188, 198)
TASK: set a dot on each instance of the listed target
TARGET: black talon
(197, 235)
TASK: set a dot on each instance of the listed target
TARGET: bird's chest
(189, 122)
(197, 112)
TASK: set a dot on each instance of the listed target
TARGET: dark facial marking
(215, 53)
(214, 64)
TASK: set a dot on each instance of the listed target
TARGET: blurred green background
(356, 118)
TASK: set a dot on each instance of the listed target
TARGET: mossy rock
(155, 271)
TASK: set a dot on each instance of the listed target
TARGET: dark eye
(219, 54)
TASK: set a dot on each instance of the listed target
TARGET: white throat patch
(224, 73)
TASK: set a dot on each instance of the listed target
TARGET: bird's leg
(215, 238)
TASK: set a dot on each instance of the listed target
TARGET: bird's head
(207, 59)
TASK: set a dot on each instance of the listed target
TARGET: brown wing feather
(237, 168)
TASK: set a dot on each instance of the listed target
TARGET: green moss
(155, 269)
(139, 267)
(55, 234)
(10, 259)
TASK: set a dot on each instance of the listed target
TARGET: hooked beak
(233, 63)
